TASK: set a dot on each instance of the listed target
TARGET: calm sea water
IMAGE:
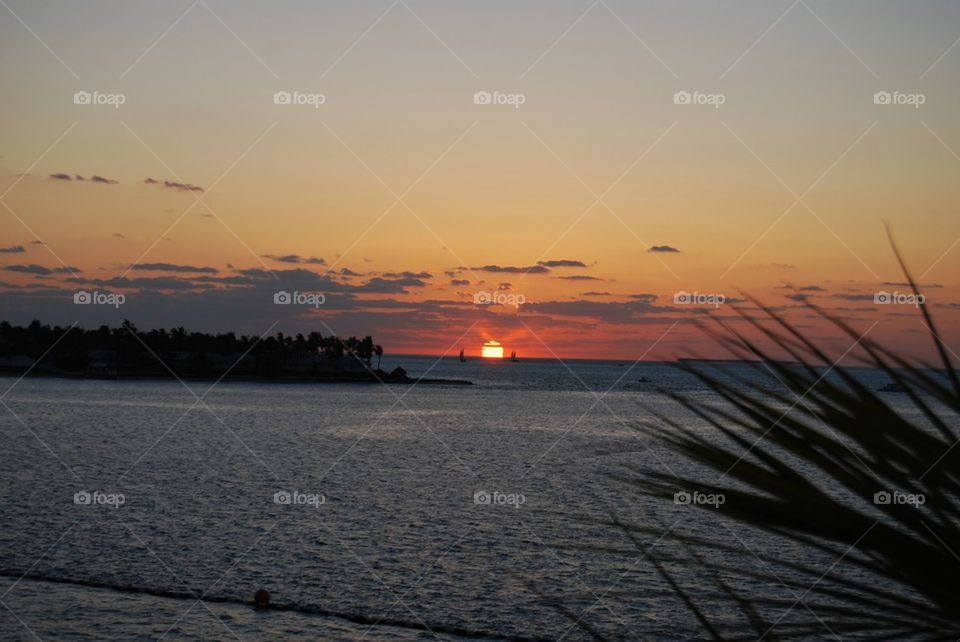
(443, 510)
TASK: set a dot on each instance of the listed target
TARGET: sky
(573, 179)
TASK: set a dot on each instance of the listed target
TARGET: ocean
(368, 511)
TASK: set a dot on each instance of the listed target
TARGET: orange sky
(430, 200)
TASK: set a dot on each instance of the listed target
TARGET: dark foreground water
(369, 512)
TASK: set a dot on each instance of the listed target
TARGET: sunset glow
(491, 350)
(198, 214)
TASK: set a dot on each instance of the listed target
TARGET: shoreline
(364, 378)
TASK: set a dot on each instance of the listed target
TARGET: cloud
(639, 311)
(93, 179)
(408, 275)
(459, 281)
(803, 288)
(118, 235)
(294, 258)
(349, 272)
(663, 248)
(854, 297)
(13, 249)
(33, 268)
(580, 277)
(901, 284)
(596, 294)
(562, 263)
(172, 267)
(390, 286)
(180, 187)
(510, 269)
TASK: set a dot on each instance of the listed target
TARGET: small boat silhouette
(892, 387)
(462, 358)
(513, 356)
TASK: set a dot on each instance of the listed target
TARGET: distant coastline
(377, 376)
(129, 354)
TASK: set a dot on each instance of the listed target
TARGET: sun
(491, 350)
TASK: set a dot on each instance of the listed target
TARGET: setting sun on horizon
(491, 350)
(466, 319)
